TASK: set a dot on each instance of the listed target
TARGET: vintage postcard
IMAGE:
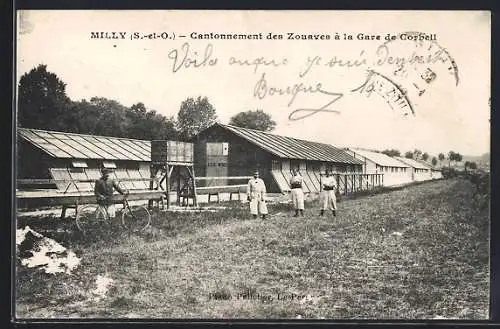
(264, 165)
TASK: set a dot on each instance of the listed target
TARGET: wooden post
(168, 186)
(178, 185)
(76, 209)
(345, 185)
(191, 173)
(152, 174)
(338, 183)
(63, 212)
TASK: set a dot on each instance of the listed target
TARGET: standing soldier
(328, 194)
(297, 193)
(256, 193)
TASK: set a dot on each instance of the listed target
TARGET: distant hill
(481, 160)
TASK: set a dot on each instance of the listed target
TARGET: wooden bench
(216, 190)
(73, 199)
(134, 195)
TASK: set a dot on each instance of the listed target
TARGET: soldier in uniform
(297, 193)
(256, 193)
(103, 190)
(328, 194)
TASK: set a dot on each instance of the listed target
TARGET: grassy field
(417, 253)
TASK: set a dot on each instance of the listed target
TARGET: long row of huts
(219, 151)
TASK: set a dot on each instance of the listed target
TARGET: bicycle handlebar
(125, 195)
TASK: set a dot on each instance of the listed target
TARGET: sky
(365, 103)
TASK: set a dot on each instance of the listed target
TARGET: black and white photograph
(252, 164)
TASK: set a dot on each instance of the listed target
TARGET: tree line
(44, 104)
(417, 154)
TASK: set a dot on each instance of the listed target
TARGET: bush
(449, 172)
(481, 182)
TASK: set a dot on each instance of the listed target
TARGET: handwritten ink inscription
(262, 90)
(187, 58)
(257, 62)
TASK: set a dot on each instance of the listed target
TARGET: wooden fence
(347, 183)
(356, 182)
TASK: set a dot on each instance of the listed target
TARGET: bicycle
(134, 218)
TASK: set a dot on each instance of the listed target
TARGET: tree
(453, 156)
(42, 100)
(391, 153)
(144, 124)
(417, 154)
(258, 120)
(409, 155)
(472, 165)
(43, 104)
(82, 117)
(112, 120)
(466, 164)
(425, 156)
(434, 161)
(158, 126)
(194, 116)
(441, 157)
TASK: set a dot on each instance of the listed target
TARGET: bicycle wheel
(136, 218)
(89, 218)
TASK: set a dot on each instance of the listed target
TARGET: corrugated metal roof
(292, 148)
(429, 165)
(413, 163)
(78, 146)
(380, 158)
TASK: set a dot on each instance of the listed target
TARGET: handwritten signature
(374, 82)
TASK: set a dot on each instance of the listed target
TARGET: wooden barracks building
(74, 158)
(70, 162)
(225, 150)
